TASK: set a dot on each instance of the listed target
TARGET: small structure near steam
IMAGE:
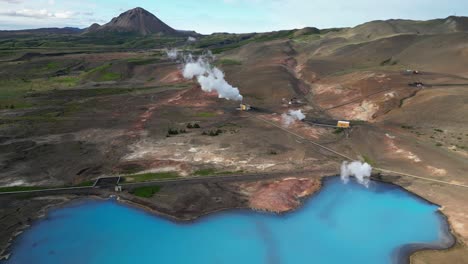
(244, 107)
(343, 124)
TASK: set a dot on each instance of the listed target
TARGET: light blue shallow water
(342, 224)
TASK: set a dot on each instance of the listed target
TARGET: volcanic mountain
(136, 20)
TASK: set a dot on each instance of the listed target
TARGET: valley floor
(67, 120)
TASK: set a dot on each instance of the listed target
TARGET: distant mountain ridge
(65, 31)
(141, 22)
(136, 20)
(382, 28)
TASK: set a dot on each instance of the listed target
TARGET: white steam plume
(191, 39)
(291, 117)
(172, 54)
(210, 78)
(361, 171)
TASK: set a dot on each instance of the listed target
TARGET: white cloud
(42, 13)
(12, 1)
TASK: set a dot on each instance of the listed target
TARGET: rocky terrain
(105, 107)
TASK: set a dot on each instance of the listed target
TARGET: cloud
(42, 13)
(12, 1)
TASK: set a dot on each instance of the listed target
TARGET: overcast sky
(207, 16)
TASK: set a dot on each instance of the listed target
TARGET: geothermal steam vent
(210, 78)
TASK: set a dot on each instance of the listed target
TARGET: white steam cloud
(191, 39)
(210, 78)
(361, 171)
(291, 117)
(172, 54)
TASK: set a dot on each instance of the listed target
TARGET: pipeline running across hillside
(342, 155)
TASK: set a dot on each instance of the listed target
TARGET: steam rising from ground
(172, 54)
(291, 117)
(209, 77)
(361, 171)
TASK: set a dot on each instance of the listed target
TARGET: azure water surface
(343, 223)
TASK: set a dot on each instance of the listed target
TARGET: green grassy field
(151, 176)
(146, 192)
(228, 62)
(205, 114)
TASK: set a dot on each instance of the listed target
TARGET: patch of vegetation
(150, 176)
(438, 130)
(193, 126)
(438, 144)
(227, 62)
(175, 131)
(146, 192)
(212, 133)
(338, 130)
(109, 76)
(131, 168)
(407, 127)
(368, 160)
(389, 61)
(206, 114)
(104, 74)
(100, 68)
(85, 184)
(52, 65)
(66, 80)
(143, 61)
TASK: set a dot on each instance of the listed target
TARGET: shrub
(338, 130)
(172, 131)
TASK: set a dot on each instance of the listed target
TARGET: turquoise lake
(343, 223)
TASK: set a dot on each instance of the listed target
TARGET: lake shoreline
(402, 255)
